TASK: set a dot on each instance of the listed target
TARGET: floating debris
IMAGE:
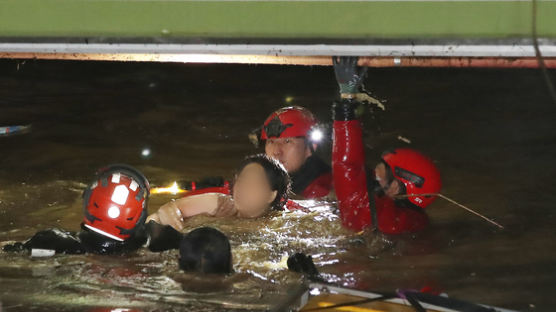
(11, 130)
(404, 139)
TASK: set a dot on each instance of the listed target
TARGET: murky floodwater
(493, 133)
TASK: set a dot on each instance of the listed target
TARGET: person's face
(290, 152)
(252, 192)
(391, 188)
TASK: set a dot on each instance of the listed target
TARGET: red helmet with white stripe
(115, 204)
(288, 122)
(417, 172)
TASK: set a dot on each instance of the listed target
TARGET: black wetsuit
(152, 235)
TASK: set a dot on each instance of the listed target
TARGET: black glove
(301, 263)
(54, 239)
(162, 237)
(349, 77)
(15, 247)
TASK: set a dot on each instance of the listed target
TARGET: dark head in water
(261, 184)
(205, 250)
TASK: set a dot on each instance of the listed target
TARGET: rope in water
(455, 203)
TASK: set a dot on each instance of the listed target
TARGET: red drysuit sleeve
(348, 170)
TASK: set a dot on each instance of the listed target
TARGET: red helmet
(116, 202)
(417, 172)
(288, 122)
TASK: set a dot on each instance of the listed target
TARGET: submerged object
(10, 130)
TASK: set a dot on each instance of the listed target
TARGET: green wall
(273, 19)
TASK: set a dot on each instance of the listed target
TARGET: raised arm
(348, 156)
(348, 168)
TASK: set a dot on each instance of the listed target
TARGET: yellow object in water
(347, 308)
(327, 297)
(341, 302)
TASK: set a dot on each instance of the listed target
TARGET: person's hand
(169, 214)
(153, 217)
(349, 77)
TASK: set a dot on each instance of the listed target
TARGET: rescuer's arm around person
(261, 185)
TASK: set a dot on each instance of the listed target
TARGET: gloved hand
(162, 237)
(55, 239)
(349, 77)
(301, 263)
(14, 247)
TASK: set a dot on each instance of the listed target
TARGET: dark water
(492, 133)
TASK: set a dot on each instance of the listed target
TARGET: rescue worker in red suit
(290, 135)
(371, 199)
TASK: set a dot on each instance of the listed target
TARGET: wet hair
(276, 174)
(205, 250)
